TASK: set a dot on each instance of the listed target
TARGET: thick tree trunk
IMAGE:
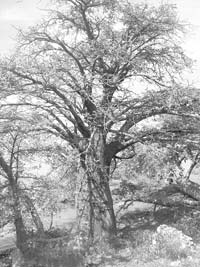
(101, 211)
(100, 199)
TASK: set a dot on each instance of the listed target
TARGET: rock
(172, 243)
(170, 233)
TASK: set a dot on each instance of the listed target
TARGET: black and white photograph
(99, 133)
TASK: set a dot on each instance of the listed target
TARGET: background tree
(15, 174)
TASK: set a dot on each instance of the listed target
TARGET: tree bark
(100, 199)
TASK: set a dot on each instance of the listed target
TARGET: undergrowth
(175, 244)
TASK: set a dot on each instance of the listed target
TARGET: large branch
(189, 190)
(168, 196)
(133, 118)
(165, 202)
(124, 140)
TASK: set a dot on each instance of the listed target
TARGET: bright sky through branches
(18, 13)
(24, 13)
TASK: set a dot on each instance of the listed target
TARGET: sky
(24, 13)
(18, 13)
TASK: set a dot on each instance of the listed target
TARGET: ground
(133, 246)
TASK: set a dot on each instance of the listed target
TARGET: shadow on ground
(132, 221)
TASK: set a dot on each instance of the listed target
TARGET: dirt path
(63, 219)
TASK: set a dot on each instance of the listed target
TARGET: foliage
(151, 161)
